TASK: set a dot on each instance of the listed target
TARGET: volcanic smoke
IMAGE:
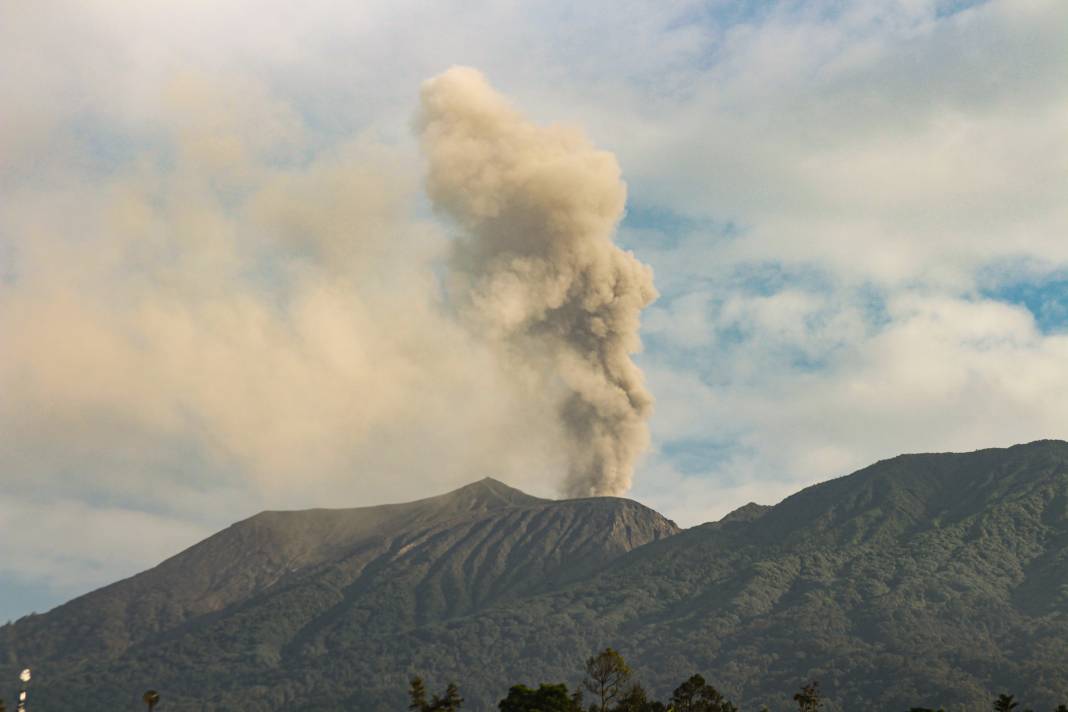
(535, 269)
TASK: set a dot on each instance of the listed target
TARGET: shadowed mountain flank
(279, 581)
(924, 580)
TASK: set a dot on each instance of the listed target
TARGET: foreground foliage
(607, 677)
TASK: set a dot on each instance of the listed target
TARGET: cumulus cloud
(837, 391)
(886, 142)
(536, 269)
(838, 191)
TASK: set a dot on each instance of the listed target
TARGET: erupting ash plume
(535, 269)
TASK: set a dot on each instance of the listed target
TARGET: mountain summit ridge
(929, 579)
(455, 553)
(488, 493)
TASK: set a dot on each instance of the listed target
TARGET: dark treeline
(607, 686)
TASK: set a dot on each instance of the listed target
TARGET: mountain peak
(486, 494)
(746, 513)
(912, 576)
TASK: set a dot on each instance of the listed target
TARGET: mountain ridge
(929, 579)
(433, 543)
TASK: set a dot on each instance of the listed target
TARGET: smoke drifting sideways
(535, 270)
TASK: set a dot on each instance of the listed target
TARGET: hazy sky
(223, 287)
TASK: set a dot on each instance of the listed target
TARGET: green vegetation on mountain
(934, 580)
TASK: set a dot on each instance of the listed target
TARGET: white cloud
(882, 145)
(943, 373)
(882, 159)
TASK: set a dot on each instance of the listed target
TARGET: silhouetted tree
(1060, 708)
(417, 695)
(809, 698)
(450, 702)
(1005, 703)
(151, 698)
(695, 695)
(606, 674)
(636, 699)
(547, 698)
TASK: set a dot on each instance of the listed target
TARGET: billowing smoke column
(535, 268)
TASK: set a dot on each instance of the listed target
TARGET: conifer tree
(450, 702)
(417, 695)
(1005, 703)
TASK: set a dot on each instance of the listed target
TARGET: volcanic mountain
(269, 589)
(925, 580)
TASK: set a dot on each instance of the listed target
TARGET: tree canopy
(606, 674)
(608, 678)
(695, 695)
(547, 698)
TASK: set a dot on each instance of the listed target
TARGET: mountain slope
(922, 580)
(263, 589)
(930, 579)
(934, 580)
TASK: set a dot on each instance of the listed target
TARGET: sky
(225, 286)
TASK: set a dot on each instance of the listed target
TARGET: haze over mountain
(932, 580)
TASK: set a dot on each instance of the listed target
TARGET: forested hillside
(924, 580)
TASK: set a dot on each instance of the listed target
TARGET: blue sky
(1044, 296)
(221, 277)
